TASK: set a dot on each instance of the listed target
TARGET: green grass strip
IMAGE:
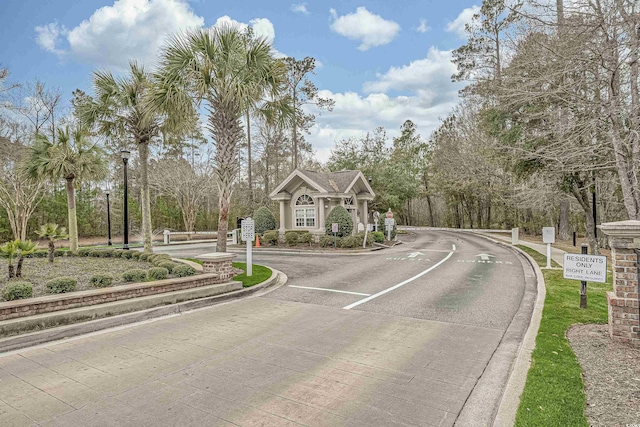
(260, 273)
(554, 391)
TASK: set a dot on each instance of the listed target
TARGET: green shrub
(131, 254)
(84, 252)
(342, 217)
(144, 256)
(160, 259)
(95, 253)
(101, 280)
(383, 229)
(305, 238)
(291, 238)
(327, 241)
(169, 265)
(264, 220)
(60, 252)
(60, 285)
(378, 236)
(183, 270)
(134, 275)
(42, 253)
(271, 237)
(17, 290)
(350, 242)
(109, 253)
(360, 237)
(158, 273)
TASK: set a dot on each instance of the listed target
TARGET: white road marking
(330, 290)
(369, 298)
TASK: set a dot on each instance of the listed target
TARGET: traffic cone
(257, 240)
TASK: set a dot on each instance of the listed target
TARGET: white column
(282, 216)
(321, 219)
(366, 213)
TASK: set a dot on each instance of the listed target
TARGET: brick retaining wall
(51, 303)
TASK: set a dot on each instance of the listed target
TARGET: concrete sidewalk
(556, 254)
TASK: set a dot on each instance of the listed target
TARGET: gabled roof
(325, 182)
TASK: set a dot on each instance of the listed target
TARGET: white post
(282, 228)
(167, 239)
(548, 255)
(364, 242)
(514, 236)
(389, 234)
(249, 258)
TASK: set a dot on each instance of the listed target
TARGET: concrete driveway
(395, 337)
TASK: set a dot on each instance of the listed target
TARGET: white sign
(389, 228)
(548, 234)
(389, 222)
(334, 227)
(587, 268)
(248, 230)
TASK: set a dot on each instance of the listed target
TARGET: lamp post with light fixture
(125, 160)
(108, 221)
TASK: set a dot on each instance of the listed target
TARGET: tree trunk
(147, 234)
(226, 130)
(563, 227)
(19, 267)
(294, 150)
(582, 195)
(249, 161)
(11, 271)
(71, 213)
(52, 248)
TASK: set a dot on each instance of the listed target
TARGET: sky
(383, 62)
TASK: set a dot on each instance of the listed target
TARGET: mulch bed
(611, 373)
(38, 271)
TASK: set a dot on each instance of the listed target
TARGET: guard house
(307, 197)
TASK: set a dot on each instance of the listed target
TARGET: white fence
(168, 233)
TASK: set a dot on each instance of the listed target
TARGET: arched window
(305, 216)
(304, 200)
(348, 201)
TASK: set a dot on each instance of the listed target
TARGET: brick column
(624, 237)
(218, 263)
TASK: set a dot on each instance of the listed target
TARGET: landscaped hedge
(61, 284)
(271, 237)
(342, 217)
(328, 241)
(183, 270)
(264, 220)
(378, 236)
(134, 275)
(291, 238)
(17, 290)
(101, 280)
(169, 265)
(158, 273)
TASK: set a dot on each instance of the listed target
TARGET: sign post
(583, 267)
(334, 230)
(376, 217)
(388, 223)
(249, 235)
(548, 237)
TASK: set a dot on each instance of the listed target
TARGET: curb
(304, 252)
(495, 398)
(17, 342)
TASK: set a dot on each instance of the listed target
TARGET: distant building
(307, 197)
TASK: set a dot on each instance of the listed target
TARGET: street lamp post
(125, 159)
(108, 221)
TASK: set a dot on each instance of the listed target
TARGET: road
(394, 337)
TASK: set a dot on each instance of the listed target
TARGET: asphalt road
(393, 337)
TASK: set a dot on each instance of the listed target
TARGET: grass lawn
(259, 274)
(554, 391)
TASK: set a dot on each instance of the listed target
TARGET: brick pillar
(218, 263)
(624, 237)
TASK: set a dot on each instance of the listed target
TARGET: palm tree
(71, 157)
(26, 247)
(52, 233)
(9, 250)
(232, 71)
(120, 110)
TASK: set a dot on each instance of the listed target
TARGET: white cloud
(131, 29)
(423, 27)
(458, 25)
(47, 36)
(370, 29)
(300, 8)
(430, 97)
